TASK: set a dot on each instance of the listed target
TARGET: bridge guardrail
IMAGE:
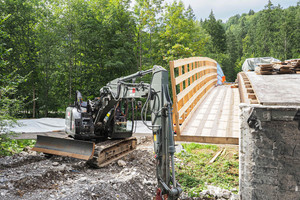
(192, 79)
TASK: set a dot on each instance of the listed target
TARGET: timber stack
(286, 67)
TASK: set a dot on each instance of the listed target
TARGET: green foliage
(216, 31)
(193, 146)
(194, 171)
(72, 45)
(9, 146)
(9, 103)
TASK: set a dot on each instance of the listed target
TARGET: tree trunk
(140, 39)
(33, 107)
(137, 52)
(47, 91)
(70, 79)
(150, 49)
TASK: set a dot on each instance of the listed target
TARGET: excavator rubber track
(108, 151)
(97, 155)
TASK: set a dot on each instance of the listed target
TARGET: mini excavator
(100, 130)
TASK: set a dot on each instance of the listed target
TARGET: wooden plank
(206, 139)
(181, 84)
(186, 80)
(250, 90)
(190, 70)
(175, 108)
(216, 156)
(185, 61)
(192, 86)
(242, 89)
(252, 96)
(187, 75)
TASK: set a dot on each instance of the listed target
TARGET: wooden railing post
(175, 103)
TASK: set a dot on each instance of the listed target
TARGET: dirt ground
(33, 176)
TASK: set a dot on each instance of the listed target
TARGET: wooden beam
(185, 61)
(175, 105)
(192, 86)
(207, 139)
(189, 74)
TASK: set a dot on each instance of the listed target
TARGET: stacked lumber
(296, 65)
(286, 67)
(264, 69)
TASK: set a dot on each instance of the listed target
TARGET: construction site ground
(29, 175)
(33, 176)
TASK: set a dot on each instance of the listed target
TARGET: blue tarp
(220, 74)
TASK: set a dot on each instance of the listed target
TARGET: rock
(3, 193)
(55, 164)
(27, 149)
(32, 153)
(205, 192)
(23, 153)
(2, 180)
(202, 194)
(234, 197)
(82, 179)
(226, 194)
(179, 148)
(93, 182)
(121, 163)
(61, 167)
(219, 195)
(141, 140)
(146, 182)
(19, 172)
(234, 190)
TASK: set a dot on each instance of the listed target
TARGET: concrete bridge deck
(217, 118)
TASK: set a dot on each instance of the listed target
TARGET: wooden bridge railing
(192, 79)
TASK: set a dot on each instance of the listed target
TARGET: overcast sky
(223, 9)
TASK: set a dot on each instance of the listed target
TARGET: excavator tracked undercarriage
(97, 154)
(100, 130)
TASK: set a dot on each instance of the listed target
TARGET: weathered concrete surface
(281, 89)
(269, 153)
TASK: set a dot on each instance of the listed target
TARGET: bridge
(203, 111)
(262, 115)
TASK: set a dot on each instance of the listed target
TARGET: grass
(194, 171)
(9, 146)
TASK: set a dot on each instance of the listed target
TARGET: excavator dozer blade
(65, 147)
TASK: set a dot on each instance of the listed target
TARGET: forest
(51, 48)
